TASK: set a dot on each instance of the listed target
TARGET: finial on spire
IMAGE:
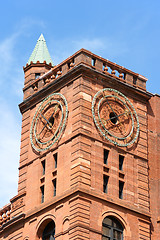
(40, 52)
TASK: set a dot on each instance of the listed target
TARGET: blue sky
(123, 31)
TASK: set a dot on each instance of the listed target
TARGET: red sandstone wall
(154, 164)
(80, 205)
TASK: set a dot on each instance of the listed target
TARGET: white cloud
(61, 52)
(106, 47)
(6, 56)
(90, 44)
(9, 153)
(11, 78)
(11, 84)
(10, 69)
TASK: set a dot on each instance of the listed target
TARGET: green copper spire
(40, 52)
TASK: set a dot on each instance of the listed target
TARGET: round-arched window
(112, 229)
(49, 231)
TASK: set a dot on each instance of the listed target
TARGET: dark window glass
(105, 238)
(121, 160)
(54, 187)
(55, 160)
(117, 235)
(121, 186)
(107, 221)
(105, 156)
(116, 224)
(134, 80)
(42, 194)
(106, 231)
(112, 229)
(105, 183)
(93, 61)
(37, 75)
(49, 231)
(43, 167)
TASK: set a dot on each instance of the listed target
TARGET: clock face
(48, 122)
(115, 117)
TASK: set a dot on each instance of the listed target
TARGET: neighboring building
(89, 160)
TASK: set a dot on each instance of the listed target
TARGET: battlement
(88, 59)
(5, 214)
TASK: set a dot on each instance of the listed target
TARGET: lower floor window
(111, 229)
(49, 231)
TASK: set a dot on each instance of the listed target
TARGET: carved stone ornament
(115, 117)
(48, 122)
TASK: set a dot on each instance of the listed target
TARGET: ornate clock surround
(48, 122)
(115, 117)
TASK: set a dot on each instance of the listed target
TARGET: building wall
(154, 164)
(80, 205)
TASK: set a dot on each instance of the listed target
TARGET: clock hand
(48, 121)
(42, 129)
(125, 112)
(112, 110)
(45, 118)
(116, 116)
(55, 109)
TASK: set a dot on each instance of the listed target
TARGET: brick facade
(80, 204)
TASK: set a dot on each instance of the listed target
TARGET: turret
(38, 64)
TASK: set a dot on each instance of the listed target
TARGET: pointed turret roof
(40, 52)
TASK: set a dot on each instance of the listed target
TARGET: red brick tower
(88, 134)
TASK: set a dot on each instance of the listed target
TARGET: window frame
(50, 232)
(55, 156)
(42, 193)
(112, 228)
(43, 167)
(54, 182)
(105, 156)
(121, 189)
(105, 183)
(121, 162)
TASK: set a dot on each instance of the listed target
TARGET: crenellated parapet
(5, 214)
(12, 209)
(87, 59)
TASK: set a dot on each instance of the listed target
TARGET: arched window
(111, 229)
(49, 231)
